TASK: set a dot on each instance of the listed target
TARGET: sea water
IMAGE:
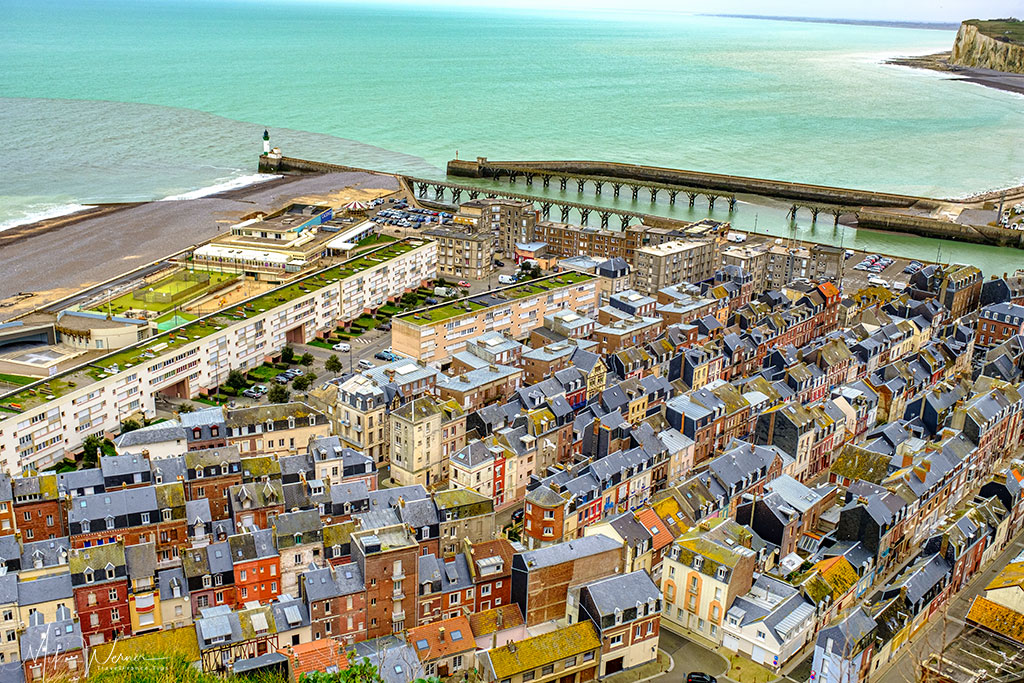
(122, 100)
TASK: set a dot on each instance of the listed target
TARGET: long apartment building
(440, 331)
(43, 422)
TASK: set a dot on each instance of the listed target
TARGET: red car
(463, 283)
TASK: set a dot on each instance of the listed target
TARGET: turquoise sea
(107, 100)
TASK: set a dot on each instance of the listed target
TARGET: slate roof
(622, 591)
(160, 432)
(113, 503)
(165, 580)
(45, 589)
(568, 551)
(49, 551)
(332, 582)
(43, 640)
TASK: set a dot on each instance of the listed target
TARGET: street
(943, 628)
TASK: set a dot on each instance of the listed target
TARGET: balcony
(397, 574)
(398, 615)
(398, 594)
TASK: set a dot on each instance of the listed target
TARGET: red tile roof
(317, 655)
(651, 521)
(442, 638)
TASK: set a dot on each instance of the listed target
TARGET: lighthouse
(266, 142)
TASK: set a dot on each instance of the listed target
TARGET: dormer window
(720, 573)
(698, 563)
(197, 433)
(312, 420)
(110, 571)
(199, 473)
(159, 479)
(85, 526)
(270, 425)
(214, 430)
(110, 523)
(89, 575)
(207, 581)
(165, 514)
(618, 616)
(298, 539)
(223, 468)
(291, 422)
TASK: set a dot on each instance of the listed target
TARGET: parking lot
(399, 214)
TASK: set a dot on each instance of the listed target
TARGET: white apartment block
(42, 423)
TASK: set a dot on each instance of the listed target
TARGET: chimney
(440, 634)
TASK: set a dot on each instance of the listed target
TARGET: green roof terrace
(494, 298)
(42, 392)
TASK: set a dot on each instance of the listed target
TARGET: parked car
(700, 677)
(385, 356)
(342, 346)
(517, 515)
(261, 388)
(283, 378)
(463, 283)
(366, 364)
(500, 264)
(251, 393)
(386, 327)
(296, 372)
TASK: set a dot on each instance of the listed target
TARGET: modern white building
(43, 422)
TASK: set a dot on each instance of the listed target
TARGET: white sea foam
(43, 214)
(232, 184)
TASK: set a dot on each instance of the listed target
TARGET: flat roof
(39, 393)
(493, 298)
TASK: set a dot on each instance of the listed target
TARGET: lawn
(321, 344)
(998, 28)
(375, 239)
(19, 380)
(264, 373)
(126, 301)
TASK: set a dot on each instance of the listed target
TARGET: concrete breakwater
(871, 210)
(778, 189)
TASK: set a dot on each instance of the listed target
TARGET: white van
(506, 279)
(877, 282)
(366, 364)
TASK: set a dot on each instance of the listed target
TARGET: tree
(186, 408)
(306, 360)
(91, 446)
(535, 272)
(288, 355)
(278, 394)
(236, 380)
(301, 383)
(129, 426)
(332, 364)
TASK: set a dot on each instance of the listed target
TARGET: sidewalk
(645, 672)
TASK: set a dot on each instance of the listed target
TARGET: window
(570, 662)
(453, 599)
(145, 518)
(588, 656)
(110, 571)
(547, 670)
(528, 676)
(115, 614)
(112, 594)
(761, 635)
(457, 661)
(693, 583)
(485, 589)
(616, 641)
(89, 576)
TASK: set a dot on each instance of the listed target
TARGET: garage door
(731, 642)
(759, 655)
